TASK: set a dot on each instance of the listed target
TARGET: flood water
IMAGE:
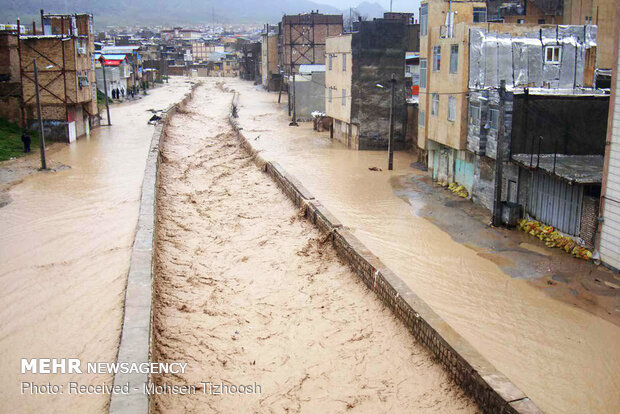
(64, 252)
(246, 292)
(565, 359)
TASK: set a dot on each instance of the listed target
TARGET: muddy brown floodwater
(566, 359)
(248, 293)
(64, 255)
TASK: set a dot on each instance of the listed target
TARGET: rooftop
(579, 169)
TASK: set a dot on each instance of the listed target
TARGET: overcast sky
(397, 5)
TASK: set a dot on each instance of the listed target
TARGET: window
(435, 104)
(422, 73)
(421, 118)
(474, 114)
(480, 14)
(344, 97)
(454, 58)
(451, 108)
(521, 21)
(330, 62)
(553, 54)
(344, 62)
(329, 95)
(494, 118)
(436, 58)
(541, 21)
(423, 20)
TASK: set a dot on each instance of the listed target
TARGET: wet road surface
(64, 253)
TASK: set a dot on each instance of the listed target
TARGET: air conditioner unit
(81, 50)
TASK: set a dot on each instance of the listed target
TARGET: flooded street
(564, 358)
(248, 293)
(65, 248)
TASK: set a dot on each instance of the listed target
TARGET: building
(302, 39)
(10, 77)
(609, 237)
(117, 73)
(309, 91)
(524, 94)
(270, 71)
(64, 54)
(249, 64)
(566, 12)
(359, 69)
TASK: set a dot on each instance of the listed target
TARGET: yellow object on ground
(552, 238)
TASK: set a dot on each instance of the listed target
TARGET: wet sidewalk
(563, 357)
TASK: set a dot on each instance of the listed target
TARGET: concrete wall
(269, 58)
(378, 53)
(309, 95)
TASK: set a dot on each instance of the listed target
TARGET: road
(65, 248)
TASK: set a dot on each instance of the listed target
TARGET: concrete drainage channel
(492, 390)
(135, 342)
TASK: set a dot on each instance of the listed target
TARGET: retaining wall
(135, 341)
(492, 391)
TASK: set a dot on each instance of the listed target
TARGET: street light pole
(391, 137)
(294, 121)
(41, 132)
(105, 91)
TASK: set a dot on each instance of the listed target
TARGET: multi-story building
(359, 70)
(522, 93)
(270, 72)
(65, 62)
(302, 39)
(609, 236)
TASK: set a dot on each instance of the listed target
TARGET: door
(556, 203)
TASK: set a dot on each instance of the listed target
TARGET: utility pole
(41, 132)
(294, 121)
(105, 91)
(499, 159)
(391, 137)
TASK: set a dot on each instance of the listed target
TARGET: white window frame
(329, 95)
(423, 72)
(344, 97)
(329, 60)
(435, 104)
(556, 54)
(421, 118)
(344, 62)
(451, 108)
(474, 114)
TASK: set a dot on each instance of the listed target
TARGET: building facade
(359, 69)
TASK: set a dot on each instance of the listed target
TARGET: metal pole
(391, 136)
(499, 159)
(105, 91)
(41, 132)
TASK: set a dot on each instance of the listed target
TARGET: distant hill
(165, 12)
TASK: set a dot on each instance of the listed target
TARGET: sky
(397, 5)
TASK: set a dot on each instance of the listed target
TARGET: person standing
(26, 141)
